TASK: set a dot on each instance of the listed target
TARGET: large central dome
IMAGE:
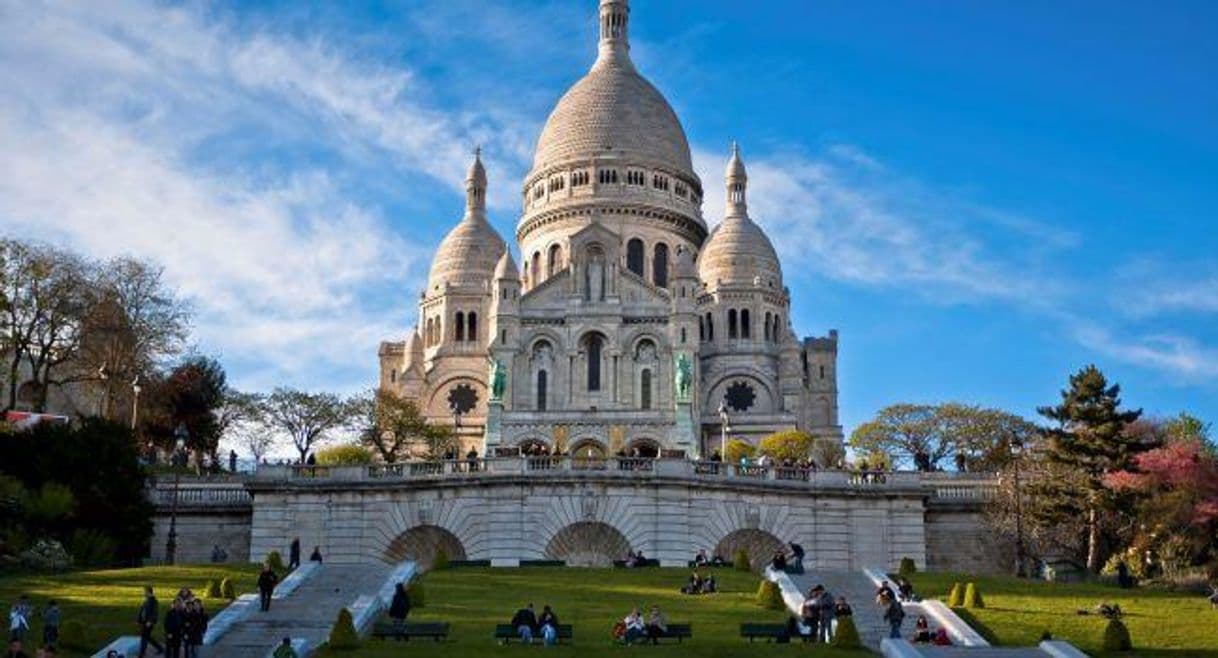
(614, 111)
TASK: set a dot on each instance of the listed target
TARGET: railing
(195, 495)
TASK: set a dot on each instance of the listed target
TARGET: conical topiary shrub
(908, 567)
(846, 636)
(956, 598)
(227, 590)
(769, 596)
(343, 635)
(972, 597)
(275, 560)
(1116, 636)
(213, 589)
(416, 593)
(740, 561)
(440, 561)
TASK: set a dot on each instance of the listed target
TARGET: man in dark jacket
(294, 554)
(525, 623)
(399, 608)
(266, 586)
(175, 625)
(147, 619)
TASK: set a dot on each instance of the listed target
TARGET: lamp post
(171, 545)
(724, 428)
(1020, 557)
(135, 401)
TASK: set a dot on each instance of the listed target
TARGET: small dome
(506, 268)
(739, 252)
(467, 255)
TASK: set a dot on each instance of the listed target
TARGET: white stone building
(620, 287)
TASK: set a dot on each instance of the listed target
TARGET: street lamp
(1020, 557)
(135, 401)
(171, 546)
(724, 428)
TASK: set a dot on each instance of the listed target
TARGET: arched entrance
(644, 447)
(422, 544)
(587, 449)
(588, 544)
(759, 544)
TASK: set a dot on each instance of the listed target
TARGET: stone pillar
(492, 436)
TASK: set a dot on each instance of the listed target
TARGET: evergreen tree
(1089, 438)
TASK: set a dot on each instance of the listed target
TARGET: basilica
(625, 325)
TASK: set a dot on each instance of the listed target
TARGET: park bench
(456, 564)
(543, 563)
(708, 565)
(646, 563)
(386, 629)
(677, 632)
(505, 633)
(771, 632)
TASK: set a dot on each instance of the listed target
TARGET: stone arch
(531, 442)
(422, 544)
(588, 544)
(647, 447)
(759, 544)
(579, 448)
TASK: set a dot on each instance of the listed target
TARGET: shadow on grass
(984, 631)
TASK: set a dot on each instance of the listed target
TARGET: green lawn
(475, 600)
(1162, 624)
(107, 601)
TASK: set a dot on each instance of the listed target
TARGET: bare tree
(306, 418)
(389, 423)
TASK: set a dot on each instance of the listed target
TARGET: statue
(498, 379)
(683, 377)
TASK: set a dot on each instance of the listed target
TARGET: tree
(389, 423)
(982, 436)
(1089, 438)
(903, 431)
(979, 437)
(789, 444)
(305, 417)
(196, 389)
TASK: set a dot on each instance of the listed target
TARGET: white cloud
(1180, 355)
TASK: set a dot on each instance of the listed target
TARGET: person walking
(147, 619)
(175, 623)
(399, 608)
(809, 612)
(266, 586)
(51, 616)
(198, 627)
(294, 554)
(19, 618)
(826, 607)
(894, 614)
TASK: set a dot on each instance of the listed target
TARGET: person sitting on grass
(635, 628)
(525, 623)
(657, 625)
(549, 626)
(694, 586)
(941, 639)
(709, 586)
(285, 650)
(921, 630)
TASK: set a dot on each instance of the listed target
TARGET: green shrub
(275, 560)
(73, 635)
(740, 561)
(440, 561)
(227, 590)
(92, 548)
(908, 567)
(418, 595)
(343, 635)
(847, 635)
(787, 444)
(1116, 636)
(344, 455)
(956, 598)
(972, 597)
(769, 596)
(213, 591)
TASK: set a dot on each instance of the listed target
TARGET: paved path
(859, 593)
(307, 613)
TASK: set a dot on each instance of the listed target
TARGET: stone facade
(620, 289)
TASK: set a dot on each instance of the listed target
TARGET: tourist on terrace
(635, 628)
(294, 553)
(700, 559)
(232, 461)
(285, 650)
(266, 586)
(316, 555)
(399, 608)
(716, 457)
(218, 554)
(657, 625)
(548, 622)
(147, 619)
(894, 614)
(525, 623)
(471, 459)
(921, 630)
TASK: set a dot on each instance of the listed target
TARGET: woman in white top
(635, 628)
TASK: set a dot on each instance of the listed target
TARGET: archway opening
(588, 544)
(759, 544)
(422, 544)
(646, 448)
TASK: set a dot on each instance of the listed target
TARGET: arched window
(542, 382)
(745, 325)
(710, 327)
(537, 267)
(645, 389)
(731, 323)
(634, 256)
(659, 266)
(768, 333)
(682, 335)
(472, 334)
(427, 333)
(459, 327)
(701, 329)
(554, 260)
(594, 345)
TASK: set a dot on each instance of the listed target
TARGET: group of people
(794, 563)
(700, 584)
(701, 560)
(635, 559)
(21, 615)
(529, 626)
(185, 624)
(637, 628)
(818, 616)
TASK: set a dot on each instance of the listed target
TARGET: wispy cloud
(1172, 353)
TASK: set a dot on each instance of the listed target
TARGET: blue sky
(981, 197)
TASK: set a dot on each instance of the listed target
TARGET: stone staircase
(307, 614)
(859, 593)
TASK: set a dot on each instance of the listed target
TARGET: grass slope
(1163, 624)
(475, 600)
(107, 601)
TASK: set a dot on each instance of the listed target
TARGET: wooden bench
(708, 565)
(677, 632)
(386, 629)
(505, 633)
(771, 632)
